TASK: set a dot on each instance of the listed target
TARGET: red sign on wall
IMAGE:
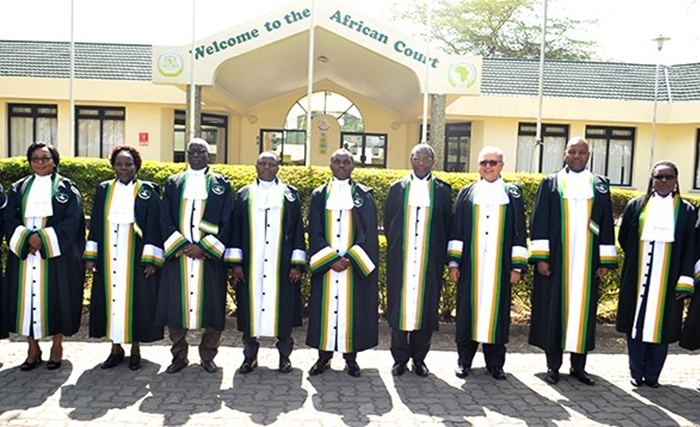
(143, 138)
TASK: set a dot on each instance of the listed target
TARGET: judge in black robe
(417, 214)
(45, 231)
(268, 257)
(657, 234)
(344, 251)
(195, 221)
(572, 244)
(487, 255)
(3, 203)
(124, 250)
(690, 335)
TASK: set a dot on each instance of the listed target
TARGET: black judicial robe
(546, 325)
(142, 292)
(214, 227)
(690, 335)
(63, 275)
(3, 203)
(514, 233)
(292, 238)
(396, 216)
(681, 263)
(364, 316)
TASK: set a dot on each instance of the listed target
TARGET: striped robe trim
(213, 246)
(152, 255)
(19, 240)
(519, 257)
(91, 251)
(454, 250)
(323, 257)
(174, 243)
(298, 257)
(362, 260)
(233, 255)
(539, 250)
(49, 240)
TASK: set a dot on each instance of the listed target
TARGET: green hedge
(87, 173)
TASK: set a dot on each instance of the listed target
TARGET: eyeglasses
(197, 151)
(41, 159)
(422, 159)
(491, 163)
(662, 177)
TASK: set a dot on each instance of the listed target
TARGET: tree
(500, 28)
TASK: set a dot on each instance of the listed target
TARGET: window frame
(102, 116)
(207, 120)
(34, 114)
(608, 136)
(547, 131)
(364, 147)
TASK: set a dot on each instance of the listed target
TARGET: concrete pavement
(81, 393)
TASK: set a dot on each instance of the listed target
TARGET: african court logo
(170, 64)
(461, 75)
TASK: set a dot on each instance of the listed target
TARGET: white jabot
(490, 193)
(195, 184)
(660, 221)
(419, 193)
(340, 197)
(577, 185)
(268, 194)
(121, 209)
(39, 198)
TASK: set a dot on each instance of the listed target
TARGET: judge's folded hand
(90, 266)
(453, 273)
(35, 244)
(515, 276)
(601, 272)
(543, 268)
(193, 251)
(340, 265)
(238, 275)
(148, 271)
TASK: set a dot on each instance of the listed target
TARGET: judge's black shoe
(353, 368)
(462, 370)
(420, 369)
(636, 383)
(581, 376)
(652, 383)
(135, 362)
(249, 364)
(113, 360)
(209, 366)
(552, 376)
(285, 365)
(398, 369)
(52, 365)
(177, 366)
(497, 373)
(28, 366)
(319, 367)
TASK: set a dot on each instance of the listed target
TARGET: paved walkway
(80, 393)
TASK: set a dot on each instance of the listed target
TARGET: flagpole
(424, 133)
(71, 80)
(309, 86)
(193, 98)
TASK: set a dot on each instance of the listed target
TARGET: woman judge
(124, 250)
(658, 236)
(45, 230)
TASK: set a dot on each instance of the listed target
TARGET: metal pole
(659, 45)
(193, 92)
(540, 90)
(424, 132)
(310, 86)
(71, 80)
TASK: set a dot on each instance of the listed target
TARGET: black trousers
(555, 359)
(646, 359)
(494, 354)
(328, 355)
(208, 346)
(285, 344)
(407, 345)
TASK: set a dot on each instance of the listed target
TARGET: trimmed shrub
(87, 173)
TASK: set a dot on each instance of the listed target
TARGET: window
(457, 139)
(611, 152)
(368, 149)
(30, 123)
(214, 131)
(550, 157)
(98, 130)
(289, 145)
(328, 103)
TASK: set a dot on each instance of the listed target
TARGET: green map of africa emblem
(461, 75)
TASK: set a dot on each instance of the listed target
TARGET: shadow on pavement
(512, 399)
(681, 401)
(24, 390)
(265, 394)
(354, 399)
(99, 390)
(178, 396)
(605, 403)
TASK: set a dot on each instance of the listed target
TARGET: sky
(624, 31)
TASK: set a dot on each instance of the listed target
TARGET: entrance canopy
(263, 59)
